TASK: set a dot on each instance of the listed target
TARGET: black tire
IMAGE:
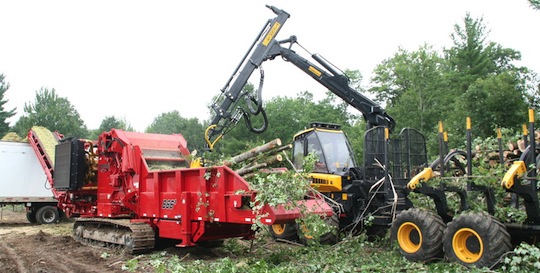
(287, 231)
(31, 217)
(329, 238)
(47, 215)
(476, 239)
(418, 234)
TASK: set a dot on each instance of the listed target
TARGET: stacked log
(259, 159)
(513, 151)
(254, 166)
(253, 152)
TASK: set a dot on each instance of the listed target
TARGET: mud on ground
(34, 248)
(26, 247)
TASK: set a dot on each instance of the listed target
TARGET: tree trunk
(253, 152)
(521, 145)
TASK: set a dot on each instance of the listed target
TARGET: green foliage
(355, 134)
(414, 88)
(484, 173)
(484, 81)
(131, 265)
(52, 112)
(483, 102)
(173, 123)
(4, 114)
(354, 254)
(473, 78)
(535, 4)
(468, 57)
(108, 123)
(525, 258)
(532, 88)
(281, 190)
(286, 117)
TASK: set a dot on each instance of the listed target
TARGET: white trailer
(23, 181)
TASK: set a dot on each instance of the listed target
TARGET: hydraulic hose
(263, 127)
(250, 100)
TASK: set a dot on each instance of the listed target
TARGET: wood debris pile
(13, 137)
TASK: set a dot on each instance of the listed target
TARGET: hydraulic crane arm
(227, 112)
(338, 83)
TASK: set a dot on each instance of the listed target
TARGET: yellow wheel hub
(278, 229)
(409, 237)
(467, 245)
(306, 232)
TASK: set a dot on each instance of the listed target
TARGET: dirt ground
(33, 248)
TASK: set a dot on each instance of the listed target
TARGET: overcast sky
(138, 59)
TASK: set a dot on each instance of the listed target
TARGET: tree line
(473, 77)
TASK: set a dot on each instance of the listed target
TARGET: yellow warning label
(271, 34)
(315, 71)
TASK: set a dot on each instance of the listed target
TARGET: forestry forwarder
(374, 191)
(472, 238)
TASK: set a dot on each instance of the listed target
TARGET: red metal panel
(170, 229)
(190, 205)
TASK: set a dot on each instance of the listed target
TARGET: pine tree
(4, 126)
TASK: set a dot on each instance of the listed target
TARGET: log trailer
(359, 192)
(472, 238)
(128, 188)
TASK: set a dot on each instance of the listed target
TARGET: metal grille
(406, 153)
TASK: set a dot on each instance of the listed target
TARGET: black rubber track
(142, 236)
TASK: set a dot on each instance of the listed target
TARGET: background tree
(473, 78)
(413, 88)
(173, 123)
(494, 102)
(53, 112)
(286, 117)
(531, 85)
(108, 123)
(290, 115)
(4, 114)
(474, 67)
(535, 4)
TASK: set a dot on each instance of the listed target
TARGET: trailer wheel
(47, 215)
(286, 231)
(476, 239)
(31, 217)
(418, 234)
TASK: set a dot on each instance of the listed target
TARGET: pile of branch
(513, 151)
(259, 159)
